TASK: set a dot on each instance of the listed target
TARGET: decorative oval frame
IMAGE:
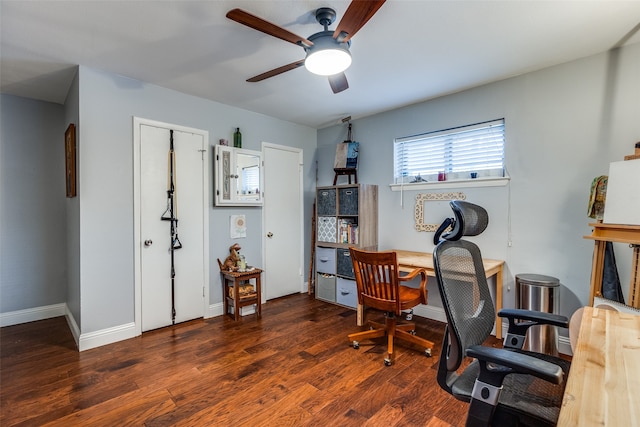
(432, 197)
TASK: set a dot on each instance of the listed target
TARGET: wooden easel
(603, 233)
(621, 233)
(341, 163)
(345, 171)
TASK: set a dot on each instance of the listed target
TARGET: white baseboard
(107, 336)
(121, 332)
(32, 314)
(83, 341)
(214, 310)
(564, 346)
(431, 312)
(218, 310)
(73, 326)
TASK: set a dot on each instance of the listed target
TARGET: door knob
(269, 234)
(148, 242)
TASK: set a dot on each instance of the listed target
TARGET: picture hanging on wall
(70, 159)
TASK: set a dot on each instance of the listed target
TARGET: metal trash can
(539, 293)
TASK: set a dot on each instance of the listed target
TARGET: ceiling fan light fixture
(327, 56)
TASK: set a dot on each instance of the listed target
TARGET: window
(458, 152)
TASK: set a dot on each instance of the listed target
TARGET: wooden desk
(234, 279)
(603, 388)
(408, 260)
(603, 233)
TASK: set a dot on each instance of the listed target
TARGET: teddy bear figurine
(231, 262)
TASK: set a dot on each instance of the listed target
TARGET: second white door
(283, 220)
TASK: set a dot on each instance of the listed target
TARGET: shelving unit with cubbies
(346, 216)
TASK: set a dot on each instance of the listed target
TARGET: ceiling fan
(327, 51)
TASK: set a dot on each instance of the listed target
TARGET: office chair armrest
(511, 362)
(526, 318)
(538, 317)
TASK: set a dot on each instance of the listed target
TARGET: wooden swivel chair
(378, 281)
(504, 386)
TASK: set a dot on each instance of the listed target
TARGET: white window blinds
(457, 152)
(250, 180)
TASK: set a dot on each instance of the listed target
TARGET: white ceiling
(410, 51)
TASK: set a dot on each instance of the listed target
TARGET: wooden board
(603, 388)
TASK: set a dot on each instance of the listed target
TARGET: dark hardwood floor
(294, 367)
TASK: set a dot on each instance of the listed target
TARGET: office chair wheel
(427, 352)
(356, 345)
(387, 362)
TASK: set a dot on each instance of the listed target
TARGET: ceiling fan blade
(338, 82)
(276, 71)
(252, 21)
(357, 14)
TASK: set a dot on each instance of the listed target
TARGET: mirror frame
(422, 198)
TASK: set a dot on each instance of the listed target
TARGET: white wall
(72, 206)
(32, 206)
(107, 105)
(564, 125)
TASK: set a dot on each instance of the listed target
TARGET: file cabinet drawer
(346, 292)
(348, 201)
(326, 287)
(344, 264)
(326, 260)
(326, 200)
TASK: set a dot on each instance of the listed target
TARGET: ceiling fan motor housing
(325, 40)
(326, 54)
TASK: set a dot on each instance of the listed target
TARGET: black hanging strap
(170, 215)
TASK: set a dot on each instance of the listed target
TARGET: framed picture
(70, 159)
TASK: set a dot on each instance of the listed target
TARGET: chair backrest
(377, 279)
(463, 284)
(465, 297)
(470, 220)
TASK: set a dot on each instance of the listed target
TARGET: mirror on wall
(248, 173)
(238, 178)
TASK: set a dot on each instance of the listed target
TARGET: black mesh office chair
(505, 386)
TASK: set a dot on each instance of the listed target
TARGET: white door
(155, 233)
(283, 220)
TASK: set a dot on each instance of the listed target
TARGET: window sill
(459, 183)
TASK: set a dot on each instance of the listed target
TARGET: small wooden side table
(234, 279)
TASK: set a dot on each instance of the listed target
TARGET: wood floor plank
(128, 409)
(293, 367)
